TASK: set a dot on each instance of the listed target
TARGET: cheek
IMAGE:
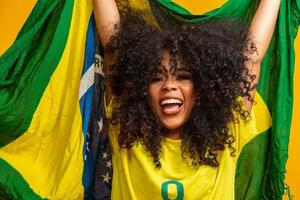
(190, 91)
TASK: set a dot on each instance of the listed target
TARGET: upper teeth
(170, 101)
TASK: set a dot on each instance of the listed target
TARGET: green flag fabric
(31, 50)
(261, 167)
(46, 84)
(44, 79)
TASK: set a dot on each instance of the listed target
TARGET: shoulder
(244, 131)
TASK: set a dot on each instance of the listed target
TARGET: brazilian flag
(46, 85)
(46, 88)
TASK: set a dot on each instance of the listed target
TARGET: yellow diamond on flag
(200, 6)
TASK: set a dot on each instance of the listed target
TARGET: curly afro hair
(214, 52)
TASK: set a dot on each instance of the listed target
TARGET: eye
(156, 78)
(184, 76)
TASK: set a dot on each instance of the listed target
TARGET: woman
(183, 98)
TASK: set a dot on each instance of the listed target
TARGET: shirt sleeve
(259, 121)
(243, 131)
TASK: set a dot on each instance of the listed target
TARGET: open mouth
(171, 106)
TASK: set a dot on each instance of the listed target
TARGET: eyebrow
(162, 68)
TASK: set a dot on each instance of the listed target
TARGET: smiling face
(172, 97)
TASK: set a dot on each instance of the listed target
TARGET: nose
(169, 85)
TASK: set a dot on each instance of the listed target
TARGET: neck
(174, 134)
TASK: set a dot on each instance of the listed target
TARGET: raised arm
(260, 32)
(106, 17)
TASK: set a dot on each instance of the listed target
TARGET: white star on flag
(106, 178)
(109, 164)
(104, 155)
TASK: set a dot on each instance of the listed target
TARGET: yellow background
(13, 14)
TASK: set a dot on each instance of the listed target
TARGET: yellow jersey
(135, 176)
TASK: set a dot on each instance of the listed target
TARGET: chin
(172, 124)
